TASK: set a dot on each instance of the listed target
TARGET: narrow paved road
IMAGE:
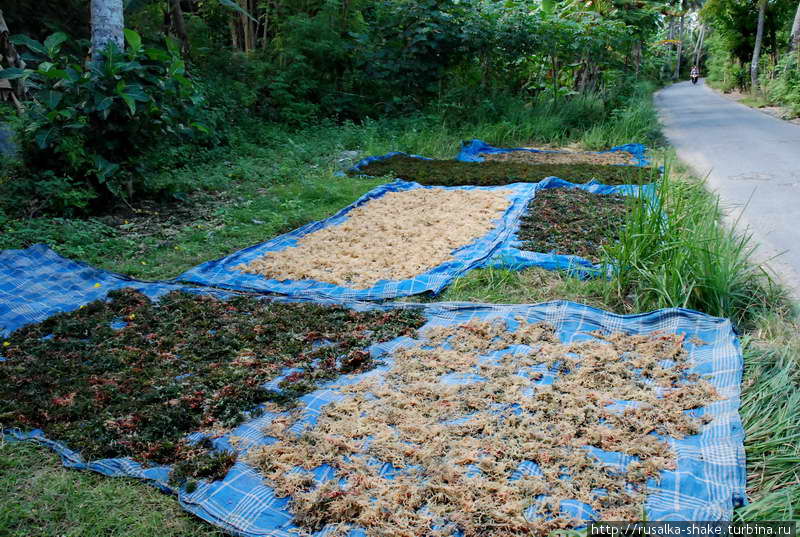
(752, 161)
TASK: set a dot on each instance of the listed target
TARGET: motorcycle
(694, 79)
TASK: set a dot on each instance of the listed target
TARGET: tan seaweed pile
(394, 237)
(455, 474)
(564, 157)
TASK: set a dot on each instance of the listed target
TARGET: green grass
(40, 498)
(674, 253)
(771, 415)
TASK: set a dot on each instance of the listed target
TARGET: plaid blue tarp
(708, 482)
(223, 274)
(473, 150)
(509, 256)
(37, 283)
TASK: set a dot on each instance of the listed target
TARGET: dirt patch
(130, 378)
(564, 157)
(397, 236)
(572, 222)
(489, 457)
(493, 173)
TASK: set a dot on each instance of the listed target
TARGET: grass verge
(43, 499)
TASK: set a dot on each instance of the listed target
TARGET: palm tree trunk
(762, 8)
(680, 49)
(107, 25)
(637, 56)
(698, 51)
(670, 35)
(795, 37)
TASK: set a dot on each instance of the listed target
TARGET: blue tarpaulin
(708, 482)
(222, 272)
(473, 150)
(509, 256)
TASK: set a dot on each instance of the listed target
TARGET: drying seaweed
(130, 377)
(492, 173)
(496, 456)
(394, 237)
(609, 158)
(572, 221)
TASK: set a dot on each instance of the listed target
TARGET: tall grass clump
(770, 412)
(595, 121)
(673, 252)
(635, 121)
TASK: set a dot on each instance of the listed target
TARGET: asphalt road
(752, 161)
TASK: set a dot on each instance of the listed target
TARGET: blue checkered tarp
(473, 150)
(223, 274)
(37, 283)
(707, 484)
(509, 256)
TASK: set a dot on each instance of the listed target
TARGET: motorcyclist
(695, 74)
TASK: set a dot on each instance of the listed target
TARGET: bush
(82, 137)
(783, 86)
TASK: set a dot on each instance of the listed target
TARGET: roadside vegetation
(754, 48)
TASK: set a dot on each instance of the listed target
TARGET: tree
(795, 35)
(698, 49)
(178, 22)
(107, 26)
(762, 8)
(677, 73)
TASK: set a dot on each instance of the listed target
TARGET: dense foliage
(96, 131)
(131, 378)
(731, 47)
(91, 122)
(454, 173)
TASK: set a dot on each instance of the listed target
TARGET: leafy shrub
(783, 86)
(82, 137)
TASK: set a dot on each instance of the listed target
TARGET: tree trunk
(10, 58)
(698, 51)
(670, 35)
(234, 32)
(265, 26)
(637, 56)
(795, 37)
(179, 23)
(762, 8)
(677, 73)
(107, 26)
(248, 26)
